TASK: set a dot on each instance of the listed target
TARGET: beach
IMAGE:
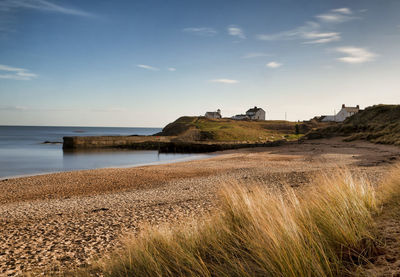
(63, 220)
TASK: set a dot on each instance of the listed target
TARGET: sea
(24, 153)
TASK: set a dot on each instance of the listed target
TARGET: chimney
(358, 106)
(343, 106)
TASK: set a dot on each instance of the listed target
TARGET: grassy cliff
(378, 124)
(228, 130)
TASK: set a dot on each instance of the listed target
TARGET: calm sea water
(22, 151)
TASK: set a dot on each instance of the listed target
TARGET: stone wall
(137, 142)
(162, 144)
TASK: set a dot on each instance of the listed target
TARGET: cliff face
(179, 126)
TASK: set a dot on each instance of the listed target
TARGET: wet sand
(62, 220)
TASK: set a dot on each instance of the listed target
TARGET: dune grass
(325, 230)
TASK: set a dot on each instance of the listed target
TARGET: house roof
(351, 109)
(253, 110)
(213, 113)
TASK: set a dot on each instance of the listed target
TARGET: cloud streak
(342, 10)
(321, 37)
(15, 73)
(224, 81)
(355, 55)
(40, 5)
(273, 64)
(201, 31)
(148, 67)
(336, 16)
(10, 8)
(312, 31)
(236, 32)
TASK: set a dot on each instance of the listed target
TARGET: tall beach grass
(323, 230)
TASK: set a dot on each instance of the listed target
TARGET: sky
(146, 63)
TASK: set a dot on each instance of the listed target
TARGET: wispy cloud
(40, 5)
(255, 55)
(321, 37)
(236, 32)
(15, 73)
(273, 64)
(342, 10)
(355, 55)
(201, 31)
(153, 68)
(312, 32)
(224, 81)
(336, 16)
(148, 67)
(10, 8)
(332, 17)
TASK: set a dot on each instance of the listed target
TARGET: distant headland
(196, 134)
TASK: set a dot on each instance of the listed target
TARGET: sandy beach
(62, 220)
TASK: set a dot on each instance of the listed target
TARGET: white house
(215, 115)
(344, 113)
(252, 114)
(256, 114)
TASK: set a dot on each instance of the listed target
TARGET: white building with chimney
(214, 115)
(252, 114)
(344, 113)
(256, 113)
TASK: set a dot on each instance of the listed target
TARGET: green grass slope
(378, 124)
(228, 130)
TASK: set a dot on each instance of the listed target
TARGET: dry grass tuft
(262, 232)
(390, 188)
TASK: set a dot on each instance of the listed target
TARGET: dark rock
(52, 142)
(99, 209)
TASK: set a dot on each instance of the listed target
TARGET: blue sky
(145, 63)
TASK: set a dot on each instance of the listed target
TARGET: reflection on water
(22, 151)
(88, 159)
